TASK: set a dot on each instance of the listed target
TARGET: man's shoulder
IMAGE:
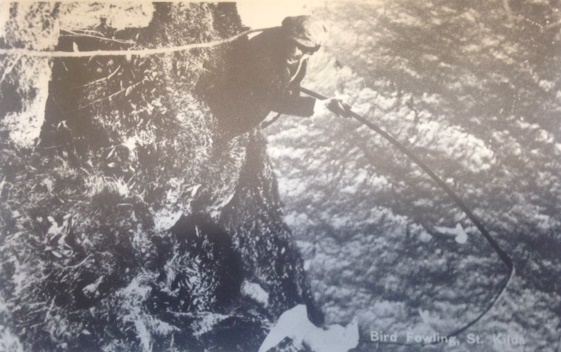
(271, 35)
(266, 50)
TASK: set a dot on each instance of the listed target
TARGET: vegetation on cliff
(123, 226)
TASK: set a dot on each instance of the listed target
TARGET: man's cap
(304, 31)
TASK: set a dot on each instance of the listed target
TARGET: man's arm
(294, 104)
(291, 103)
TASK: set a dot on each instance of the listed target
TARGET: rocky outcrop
(124, 226)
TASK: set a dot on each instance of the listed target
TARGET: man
(264, 75)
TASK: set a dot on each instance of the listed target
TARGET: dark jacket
(258, 82)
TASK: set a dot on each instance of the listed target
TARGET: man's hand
(339, 108)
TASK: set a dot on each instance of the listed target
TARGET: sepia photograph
(280, 176)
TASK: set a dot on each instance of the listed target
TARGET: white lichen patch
(255, 291)
(294, 324)
(120, 15)
(25, 126)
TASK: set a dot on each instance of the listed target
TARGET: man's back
(259, 80)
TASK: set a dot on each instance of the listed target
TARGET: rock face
(125, 227)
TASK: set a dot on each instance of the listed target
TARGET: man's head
(305, 35)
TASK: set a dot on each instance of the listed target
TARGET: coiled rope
(504, 257)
